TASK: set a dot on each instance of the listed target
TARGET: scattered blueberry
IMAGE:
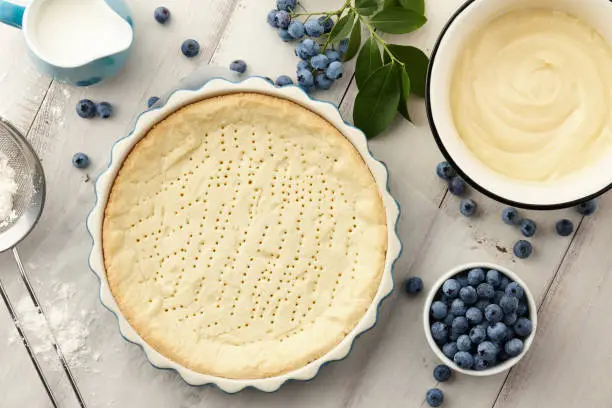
(434, 397)
(509, 304)
(439, 331)
(86, 108)
(514, 347)
(515, 290)
(488, 350)
(564, 228)
(493, 313)
(238, 66)
(457, 186)
(285, 35)
(468, 295)
(468, 207)
(464, 360)
(528, 228)
(451, 288)
(283, 80)
(464, 343)
(522, 249)
(523, 327)
(190, 48)
(450, 349)
(494, 278)
(333, 55)
(104, 110)
(80, 161)
(587, 208)
(460, 325)
(343, 46)
(445, 171)
(286, 5)
(327, 22)
(335, 70)
(439, 310)
(305, 78)
(458, 308)
(478, 334)
(442, 373)
(511, 216)
(271, 18)
(162, 15)
(282, 19)
(413, 285)
(497, 332)
(485, 291)
(152, 101)
(475, 277)
(296, 29)
(319, 61)
(474, 315)
(314, 28)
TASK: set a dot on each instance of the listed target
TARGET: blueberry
(528, 228)
(587, 208)
(485, 291)
(305, 78)
(333, 55)
(442, 373)
(503, 283)
(454, 336)
(464, 343)
(488, 350)
(439, 310)
(448, 320)
(319, 62)
(514, 347)
(564, 228)
(335, 70)
(523, 327)
(468, 295)
(238, 66)
(445, 171)
(511, 216)
(509, 304)
(476, 277)
(515, 290)
(413, 285)
(439, 331)
(283, 80)
(86, 109)
(296, 29)
(271, 18)
(284, 35)
(522, 309)
(451, 288)
(468, 207)
(464, 360)
(286, 5)
(152, 101)
(460, 325)
(80, 161)
(497, 331)
(104, 110)
(450, 349)
(190, 48)
(327, 22)
(474, 315)
(303, 65)
(481, 364)
(463, 281)
(343, 46)
(434, 397)
(482, 304)
(493, 314)
(307, 48)
(478, 334)
(522, 249)
(314, 28)
(498, 295)
(162, 15)
(458, 308)
(457, 186)
(282, 19)
(494, 278)
(510, 319)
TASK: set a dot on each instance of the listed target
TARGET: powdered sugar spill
(8, 188)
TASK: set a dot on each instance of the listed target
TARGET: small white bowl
(565, 192)
(506, 365)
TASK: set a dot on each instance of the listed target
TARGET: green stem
(338, 12)
(377, 37)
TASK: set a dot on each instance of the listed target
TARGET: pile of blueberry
(319, 66)
(480, 319)
(88, 109)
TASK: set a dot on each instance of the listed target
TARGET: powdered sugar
(8, 188)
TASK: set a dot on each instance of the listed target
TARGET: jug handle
(11, 14)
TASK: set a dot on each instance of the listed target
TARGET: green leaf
(416, 5)
(404, 81)
(376, 103)
(354, 41)
(391, 3)
(397, 20)
(366, 7)
(342, 28)
(368, 61)
(416, 63)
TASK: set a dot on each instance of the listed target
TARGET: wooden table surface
(391, 366)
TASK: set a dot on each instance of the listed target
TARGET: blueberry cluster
(318, 67)
(88, 109)
(480, 319)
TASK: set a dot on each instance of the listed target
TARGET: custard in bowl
(519, 99)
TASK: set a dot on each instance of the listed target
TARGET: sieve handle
(11, 14)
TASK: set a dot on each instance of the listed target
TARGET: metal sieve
(28, 203)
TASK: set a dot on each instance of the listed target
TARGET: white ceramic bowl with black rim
(437, 287)
(575, 188)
